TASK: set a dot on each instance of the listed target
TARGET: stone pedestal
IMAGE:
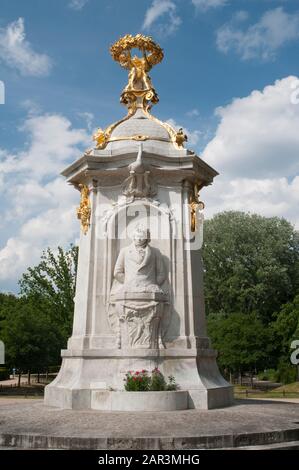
(139, 303)
(99, 352)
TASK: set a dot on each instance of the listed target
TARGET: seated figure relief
(137, 298)
(139, 267)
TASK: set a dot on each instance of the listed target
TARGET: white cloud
(193, 113)
(53, 226)
(162, 16)
(88, 118)
(77, 4)
(39, 204)
(258, 135)
(207, 4)
(262, 39)
(255, 149)
(52, 142)
(17, 52)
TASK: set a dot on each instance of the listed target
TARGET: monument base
(94, 379)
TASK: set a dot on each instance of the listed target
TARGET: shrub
(286, 373)
(158, 382)
(269, 374)
(138, 381)
(141, 381)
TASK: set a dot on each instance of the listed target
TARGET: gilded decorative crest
(84, 210)
(139, 90)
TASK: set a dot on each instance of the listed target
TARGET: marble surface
(150, 185)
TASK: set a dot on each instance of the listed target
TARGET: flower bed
(142, 381)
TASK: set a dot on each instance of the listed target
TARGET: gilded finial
(139, 91)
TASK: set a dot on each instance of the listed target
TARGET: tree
(251, 263)
(54, 281)
(6, 301)
(243, 342)
(31, 339)
(286, 329)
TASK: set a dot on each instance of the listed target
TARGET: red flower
(137, 372)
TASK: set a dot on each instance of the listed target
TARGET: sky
(230, 78)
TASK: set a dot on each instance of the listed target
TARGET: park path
(13, 381)
(286, 400)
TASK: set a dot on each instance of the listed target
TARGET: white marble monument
(139, 300)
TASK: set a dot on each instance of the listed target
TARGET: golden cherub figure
(138, 71)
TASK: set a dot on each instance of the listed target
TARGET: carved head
(141, 236)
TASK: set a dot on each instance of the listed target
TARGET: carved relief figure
(137, 294)
(139, 267)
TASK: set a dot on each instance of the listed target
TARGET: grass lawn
(285, 391)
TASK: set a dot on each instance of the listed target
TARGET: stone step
(291, 445)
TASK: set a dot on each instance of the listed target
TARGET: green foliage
(251, 264)
(286, 372)
(36, 325)
(141, 381)
(138, 381)
(269, 374)
(158, 382)
(31, 339)
(171, 383)
(286, 328)
(54, 281)
(242, 340)
(4, 373)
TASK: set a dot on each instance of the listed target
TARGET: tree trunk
(19, 379)
(29, 377)
(38, 377)
(240, 377)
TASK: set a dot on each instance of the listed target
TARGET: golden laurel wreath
(144, 43)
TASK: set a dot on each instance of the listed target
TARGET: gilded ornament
(139, 93)
(84, 210)
(194, 204)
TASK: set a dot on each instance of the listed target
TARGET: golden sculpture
(180, 137)
(139, 92)
(84, 210)
(194, 204)
(139, 87)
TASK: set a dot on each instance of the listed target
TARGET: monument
(139, 300)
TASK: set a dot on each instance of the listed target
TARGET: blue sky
(229, 77)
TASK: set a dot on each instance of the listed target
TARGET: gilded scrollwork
(194, 204)
(84, 210)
